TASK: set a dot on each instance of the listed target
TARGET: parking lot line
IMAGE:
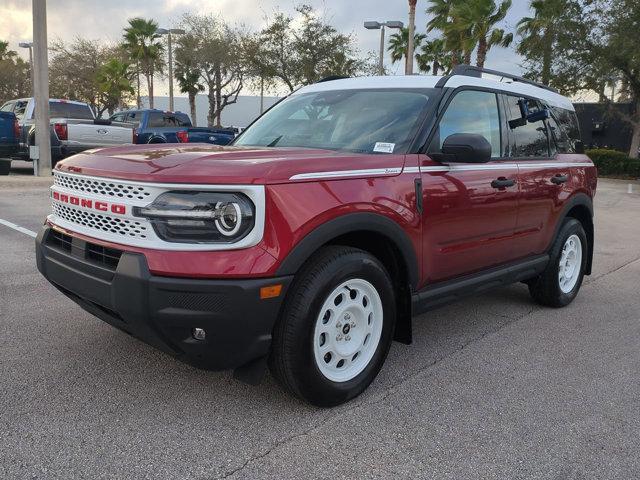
(20, 229)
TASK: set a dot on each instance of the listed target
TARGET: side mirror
(464, 148)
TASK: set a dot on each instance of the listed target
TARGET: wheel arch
(156, 139)
(381, 237)
(580, 207)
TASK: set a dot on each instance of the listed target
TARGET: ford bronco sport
(346, 209)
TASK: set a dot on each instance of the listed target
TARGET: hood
(204, 163)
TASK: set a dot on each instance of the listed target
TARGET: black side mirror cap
(464, 148)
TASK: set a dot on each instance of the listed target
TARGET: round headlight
(230, 218)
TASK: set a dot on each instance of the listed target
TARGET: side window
(134, 117)
(118, 117)
(528, 139)
(156, 119)
(20, 108)
(7, 107)
(470, 111)
(568, 123)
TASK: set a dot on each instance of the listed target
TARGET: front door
(469, 209)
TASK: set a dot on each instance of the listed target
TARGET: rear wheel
(559, 284)
(336, 327)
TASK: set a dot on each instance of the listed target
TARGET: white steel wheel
(570, 263)
(347, 330)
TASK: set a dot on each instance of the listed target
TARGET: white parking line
(18, 228)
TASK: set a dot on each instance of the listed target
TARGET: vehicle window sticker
(384, 147)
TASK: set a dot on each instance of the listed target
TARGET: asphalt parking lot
(493, 387)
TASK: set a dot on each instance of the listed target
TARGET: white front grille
(84, 204)
(99, 221)
(112, 188)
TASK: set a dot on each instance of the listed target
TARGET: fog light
(199, 333)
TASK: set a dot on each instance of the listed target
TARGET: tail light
(61, 130)
(183, 136)
(16, 128)
(134, 138)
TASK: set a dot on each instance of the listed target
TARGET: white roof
(430, 81)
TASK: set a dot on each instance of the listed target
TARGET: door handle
(503, 182)
(558, 179)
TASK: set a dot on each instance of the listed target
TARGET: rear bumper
(118, 288)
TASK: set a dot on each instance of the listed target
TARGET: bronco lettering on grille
(116, 208)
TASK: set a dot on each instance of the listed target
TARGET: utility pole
(168, 32)
(380, 26)
(42, 165)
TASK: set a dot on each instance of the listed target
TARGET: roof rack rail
(472, 71)
(331, 78)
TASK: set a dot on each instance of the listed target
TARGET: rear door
(468, 219)
(542, 192)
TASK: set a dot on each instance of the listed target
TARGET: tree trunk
(218, 89)
(436, 67)
(192, 107)
(547, 56)
(211, 116)
(138, 102)
(150, 88)
(482, 52)
(412, 28)
(635, 137)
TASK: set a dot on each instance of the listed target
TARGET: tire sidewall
(570, 227)
(313, 384)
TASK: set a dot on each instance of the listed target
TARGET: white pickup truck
(74, 127)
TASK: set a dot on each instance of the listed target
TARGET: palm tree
(5, 53)
(539, 32)
(432, 57)
(187, 71)
(480, 16)
(114, 81)
(411, 36)
(398, 45)
(141, 41)
(458, 38)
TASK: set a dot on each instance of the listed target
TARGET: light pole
(380, 26)
(29, 45)
(41, 88)
(168, 32)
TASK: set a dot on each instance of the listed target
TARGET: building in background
(602, 128)
(239, 114)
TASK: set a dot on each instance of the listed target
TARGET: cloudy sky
(104, 19)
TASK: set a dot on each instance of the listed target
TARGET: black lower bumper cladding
(117, 287)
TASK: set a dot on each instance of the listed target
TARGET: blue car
(158, 126)
(9, 133)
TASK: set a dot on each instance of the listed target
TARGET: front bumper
(117, 287)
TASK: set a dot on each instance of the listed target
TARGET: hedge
(615, 163)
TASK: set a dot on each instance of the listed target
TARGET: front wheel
(336, 327)
(559, 284)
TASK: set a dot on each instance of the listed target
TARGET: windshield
(364, 121)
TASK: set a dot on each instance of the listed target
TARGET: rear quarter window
(163, 119)
(567, 121)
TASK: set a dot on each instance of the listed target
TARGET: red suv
(347, 208)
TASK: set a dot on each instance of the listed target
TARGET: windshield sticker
(384, 147)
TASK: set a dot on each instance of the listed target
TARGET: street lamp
(168, 32)
(380, 26)
(29, 45)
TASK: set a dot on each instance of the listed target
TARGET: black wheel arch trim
(351, 223)
(579, 199)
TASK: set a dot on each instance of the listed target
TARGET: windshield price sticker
(384, 147)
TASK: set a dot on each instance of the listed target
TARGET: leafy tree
(480, 17)
(15, 75)
(217, 55)
(187, 72)
(114, 82)
(141, 40)
(74, 68)
(302, 51)
(399, 42)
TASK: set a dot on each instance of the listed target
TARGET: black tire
(5, 166)
(292, 360)
(545, 289)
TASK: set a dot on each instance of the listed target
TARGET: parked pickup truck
(311, 241)
(9, 132)
(158, 126)
(74, 127)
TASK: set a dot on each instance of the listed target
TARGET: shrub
(613, 162)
